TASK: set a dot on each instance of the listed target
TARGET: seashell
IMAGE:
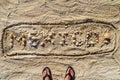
(63, 39)
(29, 41)
(74, 41)
(97, 40)
(11, 45)
(77, 44)
(19, 39)
(34, 38)
(76, 33)
(29, 36)
(11, 35)
(73, 37)
(92, 42)
(66, 26)
(106, 41)
(34, 44)
(50, 34)
(42, 44)
(34, 32)
(22, 35)
(60, 34)
(23, 39)
(61, 43)
(65, 33)
(88, 36)
(23, 43)
(48, 39)
(106, 35)
(53, 42)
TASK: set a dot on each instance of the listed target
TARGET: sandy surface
(27, 63)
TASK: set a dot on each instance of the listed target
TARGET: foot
(70, 74)
(46, 74)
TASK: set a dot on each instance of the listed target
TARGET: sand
(23, 62)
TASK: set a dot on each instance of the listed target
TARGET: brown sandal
(69, 74)
(47, 75)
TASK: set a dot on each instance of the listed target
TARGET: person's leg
(46, 74)
(70, 74)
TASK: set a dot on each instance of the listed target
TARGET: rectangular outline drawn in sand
(70, 38)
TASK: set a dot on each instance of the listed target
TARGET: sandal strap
(47, 76)
(71, 78)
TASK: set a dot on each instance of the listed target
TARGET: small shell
(29, 42)
(52, 42)
(77, 44)
(11, 45)
(29, 36)
(74, 41)
(11, 35)
(76, 33)
(106, 35)
(97, 40)
(22, 35)
(66, 26)
(48, 39)
(60, 34)
(34, 38)
(61, 43)
(106, 42)
(88, 37)
(73, 37)
(50, 34)
(18, 39)
(91, 44)
(34, 44)
(23, 39)
(42, 44)
(63, 39)
(34, 32)
(23, 43)
(65, 33)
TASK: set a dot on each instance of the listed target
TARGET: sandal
(46, 74)
(69, 74)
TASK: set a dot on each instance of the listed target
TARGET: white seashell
(23, 39)
(29, 36)
(34, 44)
(11, 45)
(77, 44)
(34, 32)
(61, 43)
(29, 42)
(91, 42)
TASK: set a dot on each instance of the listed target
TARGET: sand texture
(57, 33)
